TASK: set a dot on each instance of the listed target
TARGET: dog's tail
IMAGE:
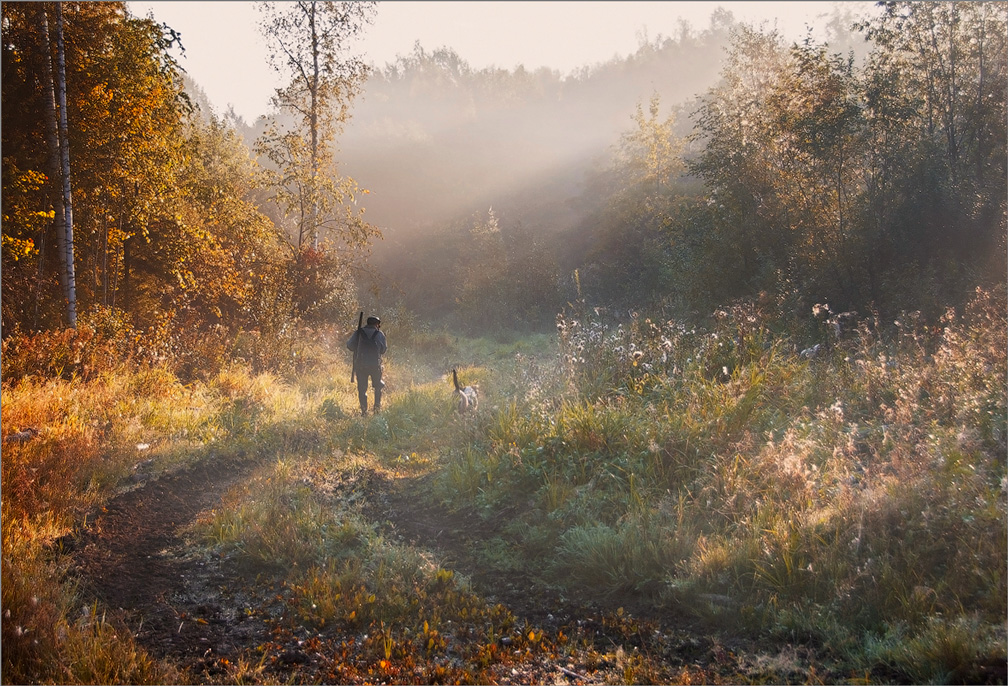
(455, 379)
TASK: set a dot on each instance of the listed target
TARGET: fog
(433, 139)
(437, 143)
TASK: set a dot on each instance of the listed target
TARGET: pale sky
(226, 55)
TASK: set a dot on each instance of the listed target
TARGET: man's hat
(373, 320)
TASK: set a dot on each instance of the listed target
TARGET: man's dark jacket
(372, 347)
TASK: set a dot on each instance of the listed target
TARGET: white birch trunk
(64, 146)
(58, 160)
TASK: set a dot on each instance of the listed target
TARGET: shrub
(838, 494)
(101, 341)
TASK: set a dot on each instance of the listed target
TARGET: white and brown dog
(466, 397)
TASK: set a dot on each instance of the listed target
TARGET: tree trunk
(64, 144)
(55, 123)
(52, 146)
(314, 127)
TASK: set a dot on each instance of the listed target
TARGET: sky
(226, 54)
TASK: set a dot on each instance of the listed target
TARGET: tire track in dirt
(455, 538)
(194, 612)
(130, 559)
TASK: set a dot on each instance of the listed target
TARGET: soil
(456, 535)
(131, 558)
(198, 613)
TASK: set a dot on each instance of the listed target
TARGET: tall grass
(92, 439)
(857, 498)
(96, 437)
(115, 427)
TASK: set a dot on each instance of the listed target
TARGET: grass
(857, 499)
(854, 502)
(300, 514)
(344, 578)
(91, 437)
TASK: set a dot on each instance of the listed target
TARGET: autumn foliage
(170, 237)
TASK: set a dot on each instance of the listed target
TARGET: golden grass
(855, 500)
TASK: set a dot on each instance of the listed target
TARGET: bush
(836, 494)
(102, 340)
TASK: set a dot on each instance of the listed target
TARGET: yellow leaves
(18, 247)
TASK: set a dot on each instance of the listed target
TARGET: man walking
(368, 344)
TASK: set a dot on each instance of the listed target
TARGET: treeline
(441, 138)
(878, 186)
(176, 256)
(867, 172)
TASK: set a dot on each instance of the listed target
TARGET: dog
(466, 398)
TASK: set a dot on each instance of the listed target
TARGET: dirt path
(455, 536)
(198, 613)
(131, 559)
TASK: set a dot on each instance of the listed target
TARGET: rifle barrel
(353, 366)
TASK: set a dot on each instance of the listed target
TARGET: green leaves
(830, 178)
(310, 41)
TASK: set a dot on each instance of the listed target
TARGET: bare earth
(198, 613)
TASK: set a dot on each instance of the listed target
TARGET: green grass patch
(857, 493)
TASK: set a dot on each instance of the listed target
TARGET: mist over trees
(849, 184)
(719, 164)
(793, 173)
(440, 144)
(309, 44)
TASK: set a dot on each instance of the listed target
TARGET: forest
(736, 307)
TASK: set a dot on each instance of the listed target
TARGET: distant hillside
(434, 139)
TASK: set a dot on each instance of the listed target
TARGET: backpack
(367, 346)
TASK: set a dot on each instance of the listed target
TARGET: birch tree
(310, 42)
(57, 132)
